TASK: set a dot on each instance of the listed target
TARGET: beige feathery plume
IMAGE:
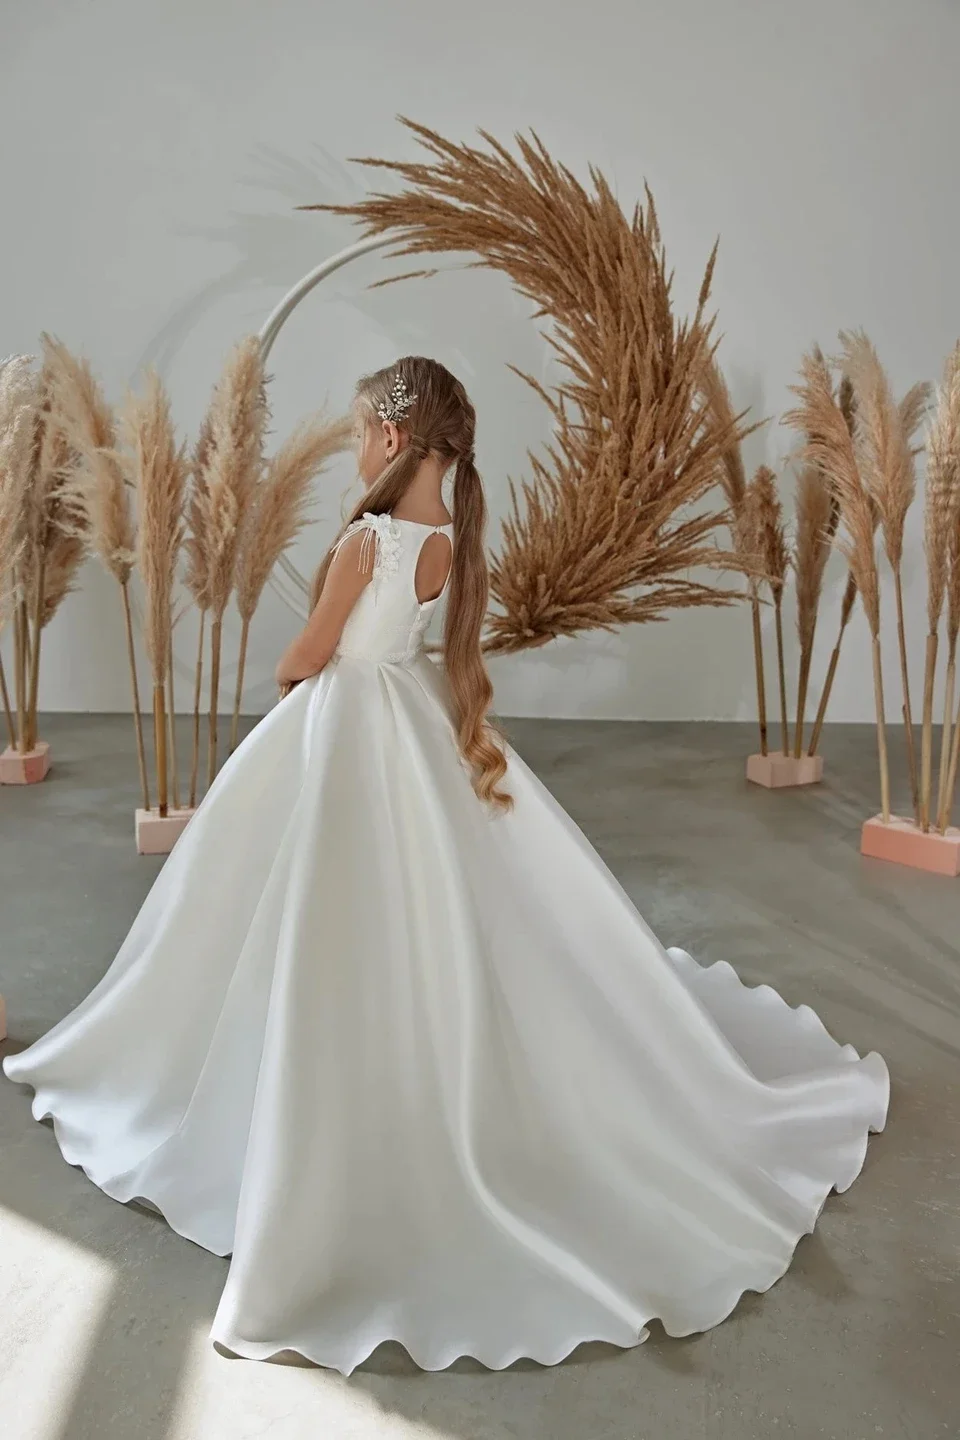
(748, 544)
(818, 513)
(231, 465)
(847, 401)
(98, 490)
(885, 459)
(942, 544)
(55, 532)
(941, 498)
(830, 447)
(196, 547)
(158, 468)
(716, 395)
(774, 555)
(230, 471)
(882, 439)
(197, 578)
(18, 401)
(278, 516)
(98, 486)
(282, 499)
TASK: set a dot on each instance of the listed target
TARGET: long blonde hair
(442, 422)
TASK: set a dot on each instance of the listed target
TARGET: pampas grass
(885, 461)
(830, 447)
(18, 393)
(774, 559)
(611, 522)
(942, 543)
(279, 514)
(100, 493)
(197, 580)
(228, 474)
(817, 517)
(43, 544)
(940, 503)
(157, 466)
(747, 541)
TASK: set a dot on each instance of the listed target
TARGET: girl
(388, 1033)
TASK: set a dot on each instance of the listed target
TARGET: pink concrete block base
(157, 834)
(3, 1019)
(776, 769)
(25, 767)
(903, 843)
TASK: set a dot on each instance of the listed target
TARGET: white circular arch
(290, 584)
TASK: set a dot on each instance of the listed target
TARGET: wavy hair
(442, 423)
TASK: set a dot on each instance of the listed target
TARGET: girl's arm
(348, 575)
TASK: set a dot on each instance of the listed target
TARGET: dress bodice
(388, 622)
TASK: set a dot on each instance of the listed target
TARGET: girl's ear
(391, 439)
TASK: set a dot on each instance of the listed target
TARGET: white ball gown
(421, 1069)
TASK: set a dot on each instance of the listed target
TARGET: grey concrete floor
(104, 1311)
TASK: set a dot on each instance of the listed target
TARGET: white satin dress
(421, 1069)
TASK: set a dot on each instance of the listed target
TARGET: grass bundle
(846, 399)
(44, 537)
(157, 467)
(774, 560)
(18, 394)
(197, 581)
(817, 515)
(942, 544)
(280, 511)
(747, 526)
(885, 461)
(748, 547)
(225, 485)
(611, 522)
(99, 491)
(829, 446)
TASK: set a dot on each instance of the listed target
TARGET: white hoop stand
(292, 587)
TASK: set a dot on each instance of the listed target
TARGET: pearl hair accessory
(395, 407)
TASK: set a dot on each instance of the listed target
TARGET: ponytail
(470, 686)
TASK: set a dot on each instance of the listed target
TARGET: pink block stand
(157, 834)
(25, 767)
(777, 770)
(904, 843)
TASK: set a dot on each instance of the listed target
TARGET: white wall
(161, 149)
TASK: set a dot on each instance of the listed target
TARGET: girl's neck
(423, 498)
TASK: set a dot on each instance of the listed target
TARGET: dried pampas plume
(942, 543)
(158, 468)
(197, 577)
(611, 522)
(885, 460)
(279, 513)
(99, 492)
(774, 557)
(18, 393)
(818, 514)
(227, 474)
(98, 488)
(829, 446)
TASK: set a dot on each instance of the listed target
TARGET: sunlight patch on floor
(241, 1399)
(55, 1293)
